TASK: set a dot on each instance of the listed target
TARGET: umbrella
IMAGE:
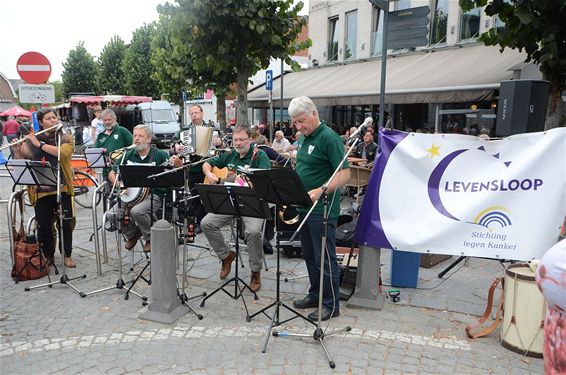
(16, 111)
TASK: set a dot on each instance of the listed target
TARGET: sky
(53, 28)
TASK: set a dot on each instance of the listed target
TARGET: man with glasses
(243, 154)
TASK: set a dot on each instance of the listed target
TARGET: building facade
(449, 84)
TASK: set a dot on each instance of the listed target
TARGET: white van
(161, 119)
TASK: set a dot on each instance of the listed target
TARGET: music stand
(39, 173)
(96, 158)
(282, 187)
(238, 201)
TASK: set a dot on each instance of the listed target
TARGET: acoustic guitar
(221, 173)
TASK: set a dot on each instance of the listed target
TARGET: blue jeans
(311, 242)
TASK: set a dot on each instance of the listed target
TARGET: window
(470, 24)
(377, 31)
(351, 31)
(439, 22)
(333, 31)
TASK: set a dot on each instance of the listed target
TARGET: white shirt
(281, 146)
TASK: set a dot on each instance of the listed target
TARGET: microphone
(367, 122)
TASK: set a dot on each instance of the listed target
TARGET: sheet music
(19, 172)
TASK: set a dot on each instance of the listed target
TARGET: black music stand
(282, 187)
(39, 173)
(238, 201)
(96, 158)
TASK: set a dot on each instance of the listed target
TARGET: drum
(524, 312)
(133, 195)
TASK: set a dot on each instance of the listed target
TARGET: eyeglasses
(194, 113)
(240, 139)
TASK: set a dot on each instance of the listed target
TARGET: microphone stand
(65, 280)
(319, 334)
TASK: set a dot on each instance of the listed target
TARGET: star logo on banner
(433, 151)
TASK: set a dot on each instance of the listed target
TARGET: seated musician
(113, 137)
(137, 220)
(243, 154)
(366, 150)
(44, 198)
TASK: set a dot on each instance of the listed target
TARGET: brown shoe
(147, 247)
(129, 245)
(227, 265)
(255, 282)
(69, 262)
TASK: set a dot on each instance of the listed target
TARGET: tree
(137, 67)
(79, 71)
(110, 74)
(538, 28)
(175, 67)
(237, 36)
(59, 96)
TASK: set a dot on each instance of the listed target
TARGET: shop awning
(447, 75)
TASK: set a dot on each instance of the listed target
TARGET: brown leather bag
(29, 261)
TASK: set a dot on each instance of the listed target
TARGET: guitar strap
(487, 313)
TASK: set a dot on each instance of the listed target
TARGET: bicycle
(84, 182)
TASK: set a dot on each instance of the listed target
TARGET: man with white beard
(140, 216)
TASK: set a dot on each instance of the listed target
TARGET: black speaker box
(521, 107)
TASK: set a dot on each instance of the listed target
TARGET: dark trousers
(311, 242)
(46, 217)
(196, 205)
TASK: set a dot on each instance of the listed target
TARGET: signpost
(269, 87)
(408, 28)
(33, 67)
(36, 93)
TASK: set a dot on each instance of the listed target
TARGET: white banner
(459, 195)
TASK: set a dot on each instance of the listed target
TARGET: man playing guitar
(246, 155)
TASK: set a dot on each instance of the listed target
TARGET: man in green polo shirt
(113, 137)
(320, 152)
(244, 154)
(141, 214)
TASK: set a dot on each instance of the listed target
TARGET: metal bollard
(165, 306)
(367, 293)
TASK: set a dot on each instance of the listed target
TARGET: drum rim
(510, 273)
(518, 350)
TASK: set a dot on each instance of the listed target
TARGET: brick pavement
(55, 331)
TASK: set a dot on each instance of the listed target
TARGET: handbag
(29, 261)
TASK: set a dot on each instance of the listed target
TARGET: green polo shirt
(159, 157)
(119, 138)
(318, 156)
(232, 160)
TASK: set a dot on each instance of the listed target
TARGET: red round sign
(33, 67)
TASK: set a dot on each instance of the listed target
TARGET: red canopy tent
(16, 111)
(113, 100)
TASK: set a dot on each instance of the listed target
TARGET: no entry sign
(34, 68)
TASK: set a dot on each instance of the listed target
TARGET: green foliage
(220, 40)
(110, 75)
(136, 66)
(79, 71)
(59, 96)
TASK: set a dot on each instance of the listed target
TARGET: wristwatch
(41, 144)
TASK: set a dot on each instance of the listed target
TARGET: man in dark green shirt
(141, 214)
(245, 155)
(113, 137)
(320, 152)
